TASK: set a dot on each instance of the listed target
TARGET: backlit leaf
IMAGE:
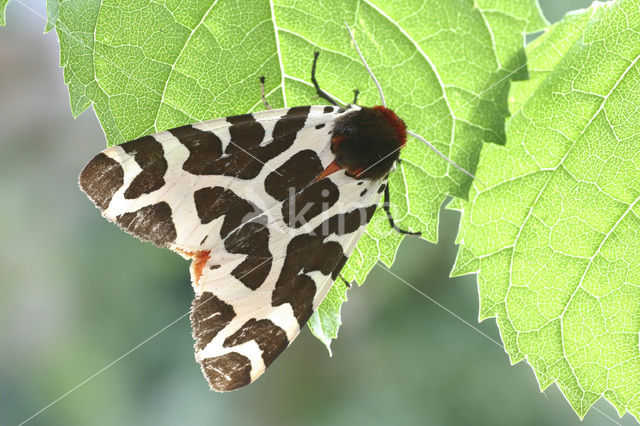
(555, 230)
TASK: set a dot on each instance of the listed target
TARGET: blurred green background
(77, 293)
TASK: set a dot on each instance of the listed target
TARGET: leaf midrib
(177, 58)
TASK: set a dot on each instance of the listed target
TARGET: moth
(267, 206)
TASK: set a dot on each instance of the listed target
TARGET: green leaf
(53, 8)
(546, 51)
(444, 66)
(325, 322)
(555, 231)
(3, 8)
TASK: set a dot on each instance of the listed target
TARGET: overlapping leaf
(544, 53)
(3, 7)
(444, 66)
(555, 233)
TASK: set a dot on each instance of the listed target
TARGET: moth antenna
(375, 80)
(444, 157)
(384, 104)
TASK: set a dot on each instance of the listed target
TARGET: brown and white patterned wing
(149, 186)
(239, 197)
(249, 308)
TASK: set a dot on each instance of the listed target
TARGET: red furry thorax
(395, 122)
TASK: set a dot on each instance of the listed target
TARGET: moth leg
(320, 92)
(385, 206)
(347, 283)
(262, 96)
(355, 97)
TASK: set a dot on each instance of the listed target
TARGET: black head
(367, 142)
